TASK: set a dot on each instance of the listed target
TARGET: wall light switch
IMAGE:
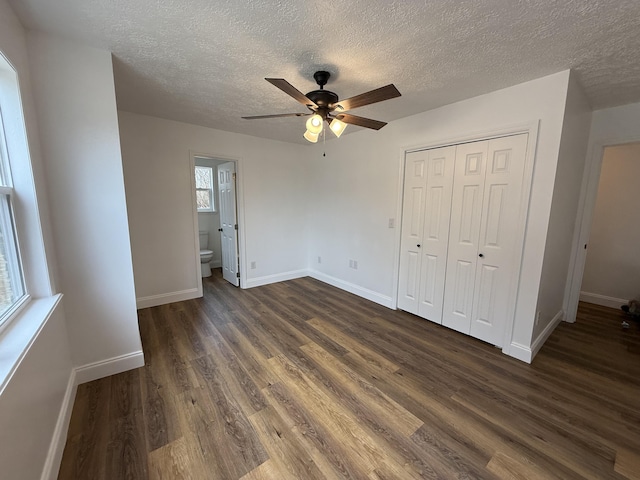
(392, 223)
(253, 265)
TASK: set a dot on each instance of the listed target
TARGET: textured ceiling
(204, 61)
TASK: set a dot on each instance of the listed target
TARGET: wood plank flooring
(300, 380)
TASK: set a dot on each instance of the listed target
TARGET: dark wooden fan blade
(289, 89)
(360, 121)
(255, 117)
(374, 96)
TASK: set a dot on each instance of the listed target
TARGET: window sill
(16, 339)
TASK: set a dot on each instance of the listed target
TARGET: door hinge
(234, 176)
(236, 226)
(237, 274)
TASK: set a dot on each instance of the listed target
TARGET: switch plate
(392, 223)
(253, 265)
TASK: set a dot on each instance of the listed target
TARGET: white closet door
(415, 184)
(466, 213)
(435, 238)
(496, 256)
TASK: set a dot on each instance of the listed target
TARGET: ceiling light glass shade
(337, 127)
(312, 137)
(314, 124)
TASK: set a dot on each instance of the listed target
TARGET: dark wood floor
(299, 380)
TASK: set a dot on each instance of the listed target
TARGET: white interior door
(435, 237)
(415, 186)
(228, 221)
(466, 211)
(496, 255)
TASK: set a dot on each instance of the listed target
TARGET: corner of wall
(564, 218)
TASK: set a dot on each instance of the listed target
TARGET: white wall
(273, 186)
(357, 188)
(32, 400)
(612, 270)
(563, 220)
(210, 221)
(75, 101)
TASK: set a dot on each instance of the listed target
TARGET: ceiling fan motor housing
(322, 98)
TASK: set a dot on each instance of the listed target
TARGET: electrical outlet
(355, 264)
(253, 265)
(392, 223)
(319, 259)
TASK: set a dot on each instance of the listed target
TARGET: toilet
(205, 255)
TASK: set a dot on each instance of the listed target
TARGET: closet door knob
(481, 255)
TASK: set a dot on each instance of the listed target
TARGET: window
(204, 189)
(12, 289)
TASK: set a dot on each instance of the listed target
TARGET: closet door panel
(497, 262)
(415, 184)
(439, 186)
(466, 215)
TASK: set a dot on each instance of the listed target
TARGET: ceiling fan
(325, 105)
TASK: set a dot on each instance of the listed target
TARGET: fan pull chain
(324, 142)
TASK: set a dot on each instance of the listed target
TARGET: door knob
(481, 255)
(418, 245)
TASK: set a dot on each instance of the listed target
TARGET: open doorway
(612, 267)
(215, 206)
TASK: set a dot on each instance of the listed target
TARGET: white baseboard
(519, 351)
(59, 439)
(603, 300)
(546, 333)
(278, 277)
(164, 298)
(353, 288)
(526, 354)
(111, 366)
(79, 375)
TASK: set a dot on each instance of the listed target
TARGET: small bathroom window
(204, 189)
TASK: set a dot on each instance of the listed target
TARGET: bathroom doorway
(215, 208)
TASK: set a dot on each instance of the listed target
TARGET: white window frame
(7, 220)
(208, 190)
(23, 323)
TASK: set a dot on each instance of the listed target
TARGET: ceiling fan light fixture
(314, 125)
(337, 127)
(310, 136)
